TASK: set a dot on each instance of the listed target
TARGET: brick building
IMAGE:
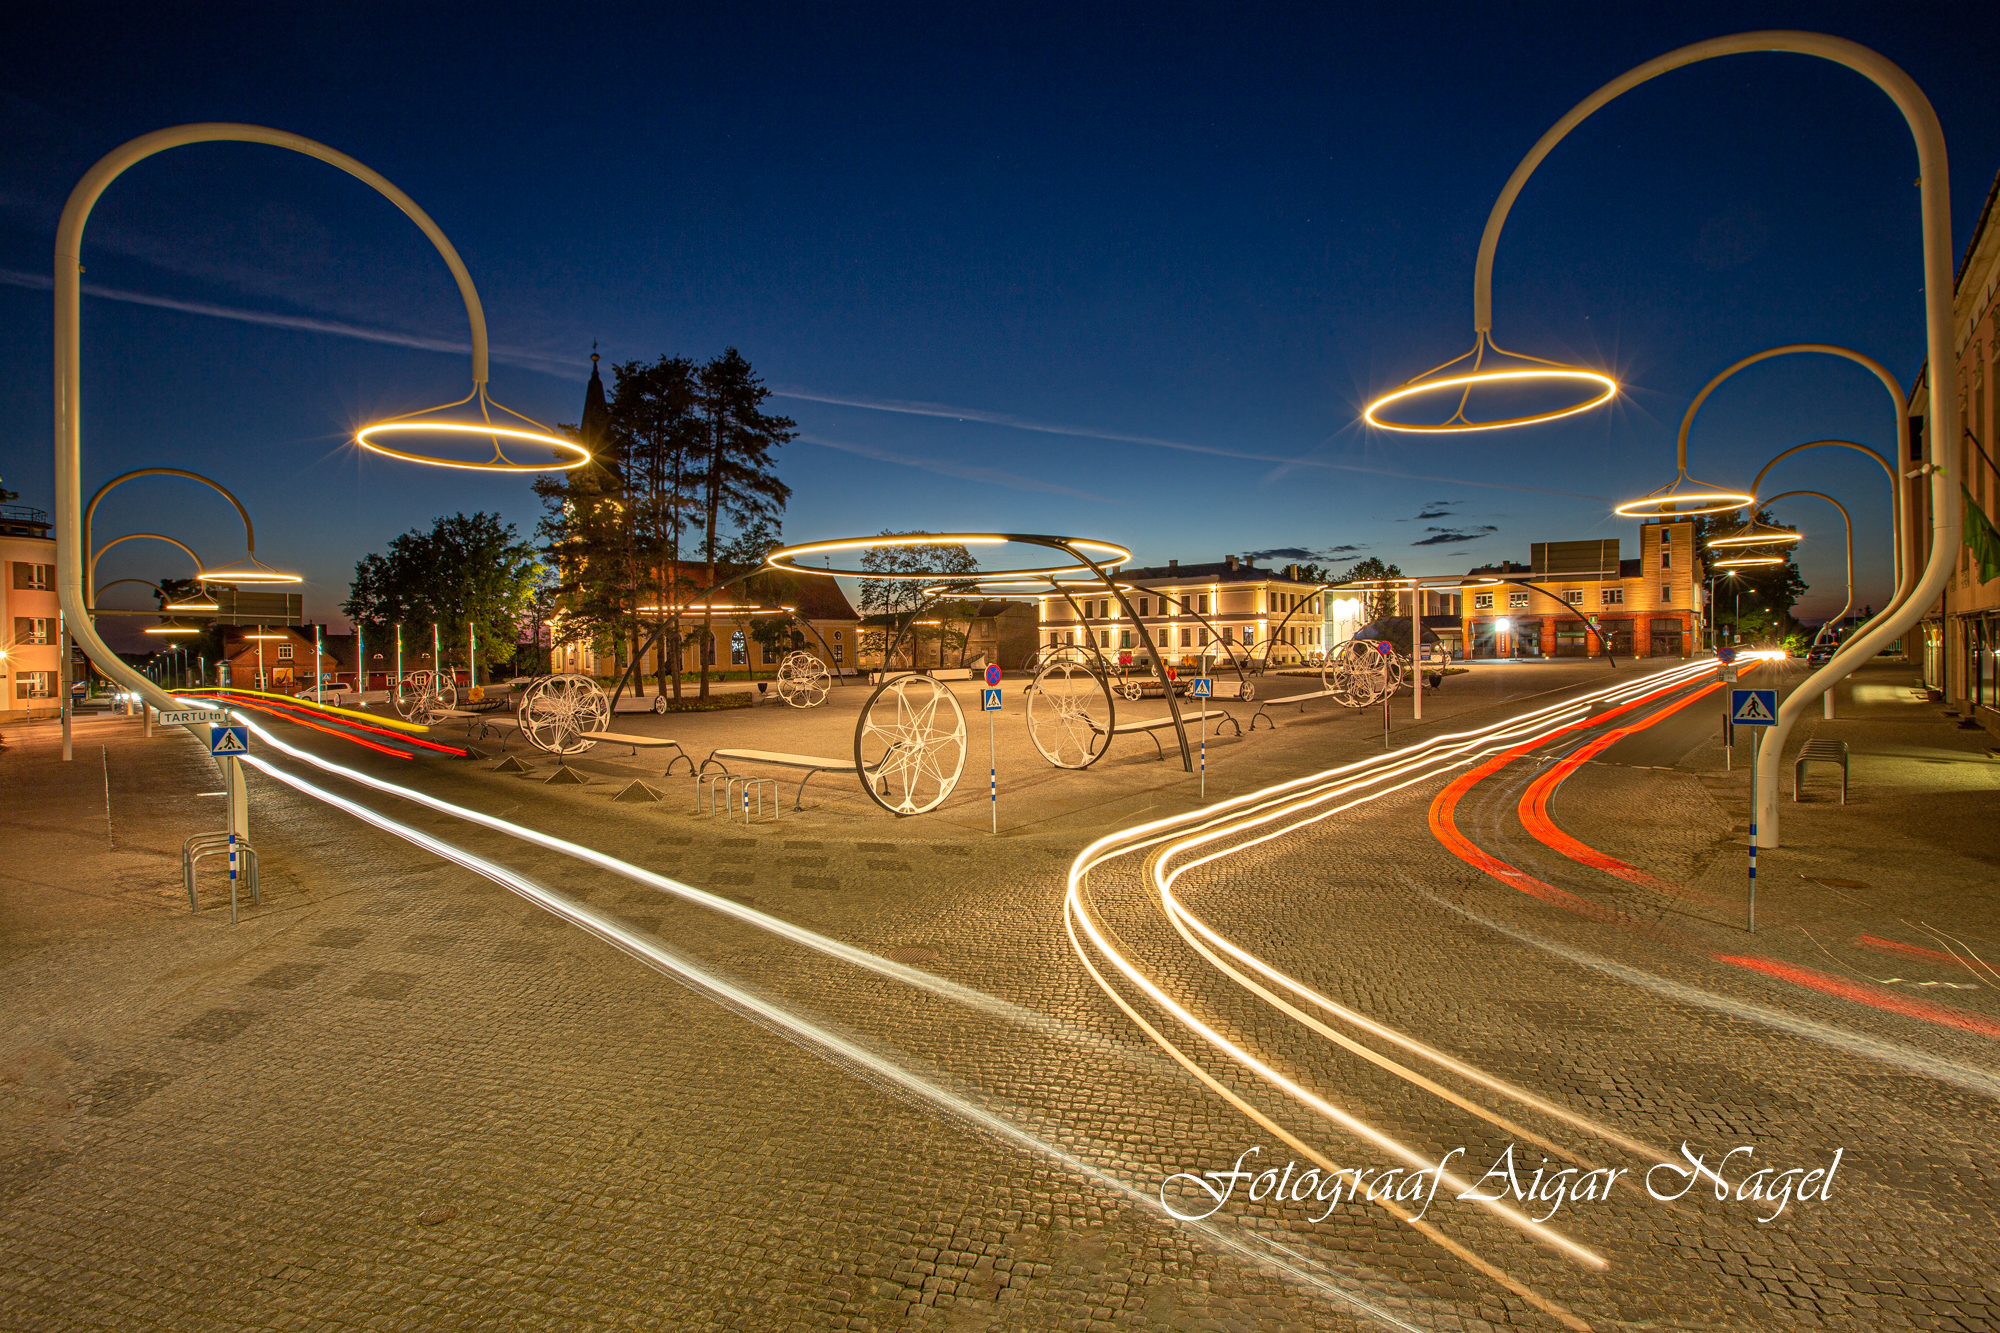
(1650, 606)
(30, 618)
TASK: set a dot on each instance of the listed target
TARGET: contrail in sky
(961, 471)
(909, 407)
(552, 365)
(555, 365)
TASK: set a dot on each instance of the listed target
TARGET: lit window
(284, 652)
(1124, 638)
(1482, 601)
(1517, 600)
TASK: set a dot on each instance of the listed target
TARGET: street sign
(989, 700)
(229, 740)
(1753, 708)
(992, 673)
(197, 719)
(1201, 687)
(1725, 653)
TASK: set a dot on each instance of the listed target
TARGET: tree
(1769, 592)
(1379, 603)
(659, 432)
(898, 600)
(587, 531)
(469, 570)
(737, 476)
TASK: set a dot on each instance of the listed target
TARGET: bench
(1152, 725)
(645, 742)
(810, 763)
(1263, 709)
(1821, 752)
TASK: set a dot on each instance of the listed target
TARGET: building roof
(1222, 571)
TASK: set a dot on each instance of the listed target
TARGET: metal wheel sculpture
(557, 711)
(1070, 713)
(803, 680)
(910, 745)
(1362, 672)
(1131, 688)
(423, 696)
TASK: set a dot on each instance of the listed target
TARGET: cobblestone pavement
(399, 1093)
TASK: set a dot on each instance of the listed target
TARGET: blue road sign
(229, 740)
(1753, 708)
(1725, 653)
(989, 700)
(1201, 687)
(992, 673)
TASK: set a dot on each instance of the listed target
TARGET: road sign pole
(1756, 740)
(993, 771)
(1204, 747)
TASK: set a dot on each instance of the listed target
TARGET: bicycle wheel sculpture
(803, 680)
(423, 696)
(1361, 673)
(910, 745)
(1070, 713)
(556, 712)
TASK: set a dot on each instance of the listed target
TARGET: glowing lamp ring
(368, 438)
(786, 558)
(1604, 387)
(1775, 537)
(1749, 561)
(1686, 504)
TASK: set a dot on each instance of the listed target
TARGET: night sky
(1126, 272)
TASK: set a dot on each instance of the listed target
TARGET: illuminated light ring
(1671, 506)
(171, 629)
(1459, 426)
(1748, 561)
(911, 731)
(786, 557)
(500, 463)
(250, 574)
(1768, 537)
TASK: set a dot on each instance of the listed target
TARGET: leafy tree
(737, 476)
(656, 422)
(899, 599)
(587, 532)
(468, 570)
(1379, 603)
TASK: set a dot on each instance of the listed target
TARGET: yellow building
(1648, 607)
(30, 619)
(1186, 609)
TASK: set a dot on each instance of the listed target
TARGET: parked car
(1820, 654)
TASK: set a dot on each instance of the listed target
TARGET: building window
(1104, 638)
(1666, 592)
(284, 652)
(1574, 597)
(1204, 639)
(41, 577)
(1482, 601)
(1666, 559)
(739, 649)
(33, 629)
(770, 654)
(1517, 600)
(1614, 597)
(1666, 535)
(35, 684)
(1203, 608)
(1124, 638)
(1144, 606)
(1249, 635)
(1187, 637)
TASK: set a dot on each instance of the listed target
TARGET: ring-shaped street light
(786, 557)
(370, 437)
(171, 628)
(251, 571)
(1601, 389)
(1754, 533)
(1749, 561)
(1669, 502)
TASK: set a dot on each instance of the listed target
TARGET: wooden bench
(1152, 725)
(810, 763)
(645, 742)
(1821, 752)
(1263, 709)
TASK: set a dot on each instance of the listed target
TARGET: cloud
(992, 476)
(912, 407)
(1433, 511)
(1450, 536)
(1301, 553)
(548, 365)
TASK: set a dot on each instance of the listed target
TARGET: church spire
(596, 421)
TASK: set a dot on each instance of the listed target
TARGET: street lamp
(1685, 496)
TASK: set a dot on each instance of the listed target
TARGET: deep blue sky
(1219, 226)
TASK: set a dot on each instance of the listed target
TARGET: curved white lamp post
(1934, 201)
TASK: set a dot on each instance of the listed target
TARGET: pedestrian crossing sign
(989, 700)
(1201, 687)
(229, 740)
(1753, 708)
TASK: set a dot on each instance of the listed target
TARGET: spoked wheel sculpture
(910, 745)
(803, 680)
(1070, 712)
(1361, 673)
(423, 696)
(557, 712)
